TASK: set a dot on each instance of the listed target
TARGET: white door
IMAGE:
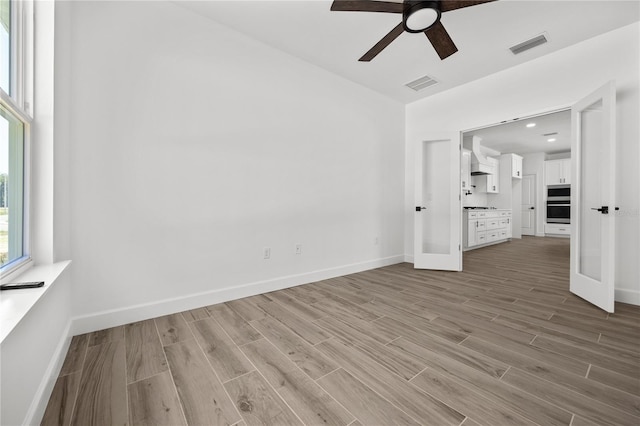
(438, 212)
(593, 163)
(529, 205)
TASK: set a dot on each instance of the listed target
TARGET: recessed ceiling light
(551, 140)
(531, 125)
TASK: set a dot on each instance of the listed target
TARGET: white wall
(193, 147)
(552, 82)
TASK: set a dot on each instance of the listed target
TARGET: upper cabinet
(516, 166)
(466, 170)
(492, 180)
(557, 172)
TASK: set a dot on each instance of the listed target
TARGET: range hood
(479, 163)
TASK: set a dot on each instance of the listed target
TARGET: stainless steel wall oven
(559, 204)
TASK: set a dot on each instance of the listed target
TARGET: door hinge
(458, 247)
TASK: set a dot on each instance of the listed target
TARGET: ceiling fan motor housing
(420, 15)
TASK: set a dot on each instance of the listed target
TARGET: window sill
(16, 304)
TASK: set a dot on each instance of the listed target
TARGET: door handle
(420, 208)
(532, 208)
(605, 209)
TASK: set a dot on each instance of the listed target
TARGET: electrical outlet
(298, 248)
(266, 253)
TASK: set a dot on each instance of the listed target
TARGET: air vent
(421, 83)
(528, 44)
(550, 134)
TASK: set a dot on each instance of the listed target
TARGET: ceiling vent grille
(528, 44)
(421, 83)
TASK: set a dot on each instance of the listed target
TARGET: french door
(438, 211)
(593, 220)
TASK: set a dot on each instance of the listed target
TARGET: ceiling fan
(417, 17)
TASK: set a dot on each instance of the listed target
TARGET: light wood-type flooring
(502, 343)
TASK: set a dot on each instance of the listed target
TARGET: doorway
(521, 187)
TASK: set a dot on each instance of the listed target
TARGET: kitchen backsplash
(475, 198)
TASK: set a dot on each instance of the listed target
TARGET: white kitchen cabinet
(516, 166)
(483, 227)
(493, 179)
(505, 226)
(557, 229)
(557, 172)
(472, 234)
(466, 170)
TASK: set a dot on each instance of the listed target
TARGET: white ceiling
(516, 137)
(482, 33)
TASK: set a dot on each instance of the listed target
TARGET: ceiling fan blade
(439, 38)
(386, 40)
(447, 5)
(367, 6)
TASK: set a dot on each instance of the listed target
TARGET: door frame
(537, 113)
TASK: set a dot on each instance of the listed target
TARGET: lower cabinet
(485, 227)
(557, 229)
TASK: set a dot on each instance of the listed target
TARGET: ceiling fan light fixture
(420, 15)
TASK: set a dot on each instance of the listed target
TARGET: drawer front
(482, 237)
(557, 228)
(503, 223)
(492, 236)
(482, 225)
(493, 224)
(503, 235)
(482, 214)
(473, 215)
(505, 213)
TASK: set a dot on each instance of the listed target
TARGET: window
(11, 187)
(5, 44)
(15, 67)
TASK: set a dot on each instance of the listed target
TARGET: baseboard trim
(631, 297)
(115, 317)
(41, 398)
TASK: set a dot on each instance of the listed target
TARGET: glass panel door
(438, 210)
(593, 197)
(590, 222)
(436, 238)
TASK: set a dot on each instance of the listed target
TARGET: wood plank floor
(502, 343)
